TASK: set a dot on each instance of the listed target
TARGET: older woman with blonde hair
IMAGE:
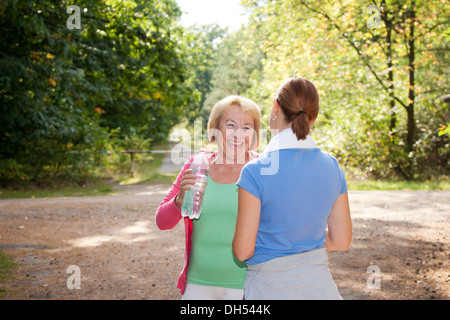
(210, 269)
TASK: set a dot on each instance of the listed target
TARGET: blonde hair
(246, 105)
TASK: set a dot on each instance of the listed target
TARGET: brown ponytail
(299, 100)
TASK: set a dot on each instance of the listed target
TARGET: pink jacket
(167, 217)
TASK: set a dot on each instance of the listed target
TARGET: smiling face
(234, 125)
(236, 129)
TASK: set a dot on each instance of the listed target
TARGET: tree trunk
(389, 28)
(410, 138)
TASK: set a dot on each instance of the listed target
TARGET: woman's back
(295, 202)
(293, 206)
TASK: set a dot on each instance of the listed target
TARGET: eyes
(231, 125)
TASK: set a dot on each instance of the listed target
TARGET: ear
(276, 107)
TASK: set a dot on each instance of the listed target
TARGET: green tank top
(212, 262)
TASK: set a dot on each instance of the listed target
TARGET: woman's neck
(276, 130)
(227, 160)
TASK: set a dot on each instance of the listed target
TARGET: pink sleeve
(168, 215)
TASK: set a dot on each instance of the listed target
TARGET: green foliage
(62, 91)
(378, 87)
(118, 162)
(233, 67)
(7, 266)
(202, 49)
(444, 130)
(71, 100)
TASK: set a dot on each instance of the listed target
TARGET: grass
(155, 177)
(7, 266)
(94, 188)
(398, 185)
(145, 172)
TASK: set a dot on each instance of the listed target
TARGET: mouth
(235, 144)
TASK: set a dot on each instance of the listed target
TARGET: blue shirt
(297, 187)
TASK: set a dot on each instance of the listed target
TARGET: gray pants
(303, 276)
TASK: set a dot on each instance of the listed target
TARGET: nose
(239, 133)
(235, 133)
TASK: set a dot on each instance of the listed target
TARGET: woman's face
(236, 132)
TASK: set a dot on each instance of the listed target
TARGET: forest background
(71, 99)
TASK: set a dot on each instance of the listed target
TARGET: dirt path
(122, 255)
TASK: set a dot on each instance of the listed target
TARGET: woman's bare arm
(247, 223)
(339, 232)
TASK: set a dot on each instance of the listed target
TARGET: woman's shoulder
(253, 154)
(330, 161)
(254, 165)
(329, 157)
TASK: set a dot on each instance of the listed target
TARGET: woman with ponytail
(293, 206)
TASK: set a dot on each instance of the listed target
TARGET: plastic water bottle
(193, 198)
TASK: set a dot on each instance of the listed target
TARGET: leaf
(444, 130)
(52, 81)
(99, 110)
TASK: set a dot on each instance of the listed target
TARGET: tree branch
(358, 51)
